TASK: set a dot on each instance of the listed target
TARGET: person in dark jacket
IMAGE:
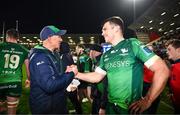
(48, 84)
(67, 60)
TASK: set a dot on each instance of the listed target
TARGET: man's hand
(140, 105)
(72, 68)
(27, 83)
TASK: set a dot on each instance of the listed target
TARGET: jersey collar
(119, 44)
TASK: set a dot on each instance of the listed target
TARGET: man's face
(55, 41)
(93, 54)
(172, 52)
(79, 50)
(108, 32)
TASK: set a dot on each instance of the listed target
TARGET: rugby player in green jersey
(123, 65)
(12, 56)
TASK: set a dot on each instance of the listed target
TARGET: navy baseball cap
(48, 31)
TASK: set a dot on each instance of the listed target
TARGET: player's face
(172, 52)
(79, 50)
(55, 41)
(108, 32)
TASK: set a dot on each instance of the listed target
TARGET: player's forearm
(92, 77)
(159, 81)
(28, 74)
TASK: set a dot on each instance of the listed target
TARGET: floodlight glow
(92, 42)
(70, 40)
(178, 28)
(172, 24)
(163, 13)
(81, 42)
(151, 28)
(135, 0)
(160, 30)
(165, 32)
(161, 23)
(142, 27)
(150, 21)
(176, 15)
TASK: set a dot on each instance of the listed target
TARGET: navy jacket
(48, 85)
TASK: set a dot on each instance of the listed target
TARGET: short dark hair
(174, 42)
(115, 20)
(81, 46)
(12, 33)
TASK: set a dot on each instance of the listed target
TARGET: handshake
(72, 68)
(74, 84)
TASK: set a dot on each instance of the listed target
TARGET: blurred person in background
(84, 65)
(67, 60)
(173, 51)
(12, 57)
(99, 90)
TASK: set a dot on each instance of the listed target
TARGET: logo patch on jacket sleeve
(146, 50)
(39, 63)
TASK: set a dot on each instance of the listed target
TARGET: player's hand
(27, 83)
(140, 106)
(72, 68)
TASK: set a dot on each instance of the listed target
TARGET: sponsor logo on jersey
(8, 72)
(106, 59)
(124, 50)
(8, 86)
(105, 56)
(113, 51)
(117, 64)
(12, 51)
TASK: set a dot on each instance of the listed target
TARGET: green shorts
(13, 89)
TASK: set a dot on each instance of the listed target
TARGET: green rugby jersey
(12, 57)
(84, 63)
(123, 65)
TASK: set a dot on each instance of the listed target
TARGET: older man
(48, 84)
